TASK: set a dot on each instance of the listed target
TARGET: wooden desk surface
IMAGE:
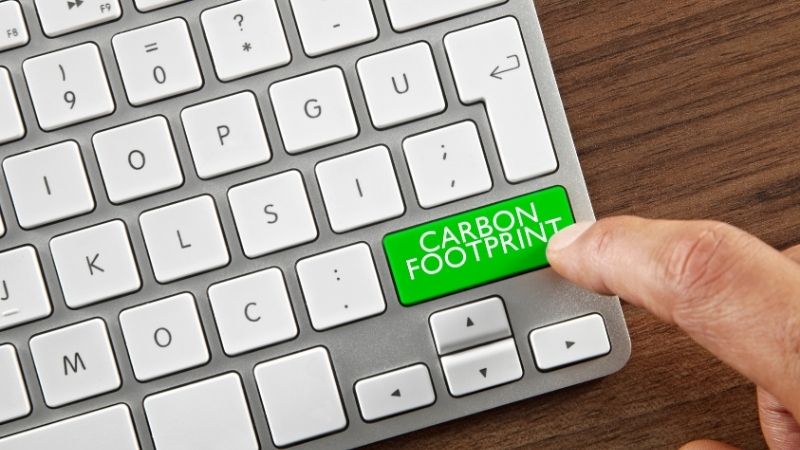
(679, 109)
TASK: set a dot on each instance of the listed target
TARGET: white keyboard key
(210, 414)
(75, 363)
(401, 85)
(68, 86)
(150, 5)
(62, 17)
(81, 432)
(164, 337)
(469, 325)
(272, 214)
(254, 41)
(48, 184)
(482, 368)
(408, 14)
(570, 342)
(252, 311)
(490, 65)
(226, 135)
(341, 286)
(157, 61)
(15, 402)
(95, 264)
(138, 159)
(395, 392)
(11, 127)
(447, 164)
(327, 26)
(360, 189)
(13, 31)
(184, 239)
(313, 110)
(300, 396)
(23, 293)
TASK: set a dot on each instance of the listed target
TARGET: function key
(150, 5)
(157, 61)
(13, 31)
(328, 26)
(252, 42)
(408, 14)
(65, 16)
(570, 342)
(68, 86)
(11, 127)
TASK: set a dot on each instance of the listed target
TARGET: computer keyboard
(275, 223)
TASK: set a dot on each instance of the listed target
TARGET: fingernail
(567, 236)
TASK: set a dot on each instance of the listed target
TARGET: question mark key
(240, 53)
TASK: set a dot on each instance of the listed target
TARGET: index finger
(732, 293)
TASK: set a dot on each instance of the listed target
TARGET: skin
(713, 281)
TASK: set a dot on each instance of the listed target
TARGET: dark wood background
(679, 109)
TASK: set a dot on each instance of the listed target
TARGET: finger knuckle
(700, 264)
(607, 234)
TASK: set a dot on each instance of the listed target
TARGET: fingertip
(567, 237)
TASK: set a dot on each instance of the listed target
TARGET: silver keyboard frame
(397, 338)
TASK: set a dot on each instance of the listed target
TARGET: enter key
(490, 65)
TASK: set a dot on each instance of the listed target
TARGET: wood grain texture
(679, 109)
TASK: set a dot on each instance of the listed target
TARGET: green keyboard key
(476, 247)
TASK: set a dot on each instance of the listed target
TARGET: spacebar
(104, 429)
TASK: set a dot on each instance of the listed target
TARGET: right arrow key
(570, 342)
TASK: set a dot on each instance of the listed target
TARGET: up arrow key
(396, 393)
(470, 322)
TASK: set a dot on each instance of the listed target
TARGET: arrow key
(482, 368)
(395, 392)
(570, 342)
(470, 325)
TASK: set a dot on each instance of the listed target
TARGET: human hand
(732, 293)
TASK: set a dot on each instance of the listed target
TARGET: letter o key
(163, 337)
